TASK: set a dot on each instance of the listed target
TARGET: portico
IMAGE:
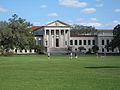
(56, 35)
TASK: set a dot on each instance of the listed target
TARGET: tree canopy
(79, 29)
(116, 38)
(15, 34)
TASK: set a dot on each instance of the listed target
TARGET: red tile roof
(83, 36)
(36, 27)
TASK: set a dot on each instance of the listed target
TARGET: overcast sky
(104, 14)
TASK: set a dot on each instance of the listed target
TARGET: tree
(81, 48)
(116, 38)
(15, 34)
(95, 48)
(79, 29)
(6, 41)
(40, 49)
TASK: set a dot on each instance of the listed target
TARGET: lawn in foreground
(59, 73)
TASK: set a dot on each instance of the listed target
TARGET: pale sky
(104, 14)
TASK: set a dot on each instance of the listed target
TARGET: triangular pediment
(57, 23)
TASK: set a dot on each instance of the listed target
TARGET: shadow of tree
(103, 67)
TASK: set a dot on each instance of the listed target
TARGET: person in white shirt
(48, 55)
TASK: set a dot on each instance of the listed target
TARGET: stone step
(58, 50)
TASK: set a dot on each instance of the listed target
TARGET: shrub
(10, 53)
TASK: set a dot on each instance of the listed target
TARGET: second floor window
(102, 42)
(52, 32)
(57, 32)
(47, 32)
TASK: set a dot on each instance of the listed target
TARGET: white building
(56, 37)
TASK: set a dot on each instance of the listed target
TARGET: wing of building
(55, 36)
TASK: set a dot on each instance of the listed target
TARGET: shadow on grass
(103, 67)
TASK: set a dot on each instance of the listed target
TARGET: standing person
(48, 55)
(105, 53)
(71, 55)
(76, 55)
(97, 55)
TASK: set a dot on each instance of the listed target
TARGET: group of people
(71, 55)
(97, 55)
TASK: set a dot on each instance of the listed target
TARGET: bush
(40, 49)
(10, 53)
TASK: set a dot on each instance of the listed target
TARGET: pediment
(57, 23)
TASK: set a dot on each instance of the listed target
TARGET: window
(25, 50)
(75, 49)
(35, 50)
(107, 42)
(30, 50)
(75, 42)
(52, 32)
(80, 42)
(57, 32)
(16, 50)
(93, 42)
(62, 32)
(71, 42)
(102, 49)
(102, 42)
(84, 42)
(107, 49)
(47, 32)
(89, 42)
(65, 42)
(46, 43)
(21, 51)
(66, 31)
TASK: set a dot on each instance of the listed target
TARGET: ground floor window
(30, 50)
(102, 49)
(71, 42)
(75, 42)
(16, 50)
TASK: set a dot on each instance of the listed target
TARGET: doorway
(57, 42)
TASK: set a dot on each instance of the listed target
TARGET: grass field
(59, 73)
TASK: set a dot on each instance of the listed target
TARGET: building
(56, 38)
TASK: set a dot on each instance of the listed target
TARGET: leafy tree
(95, 48)
(79, 29)
(6, 41)
(116, 38)
(40, 49)
(15, 34)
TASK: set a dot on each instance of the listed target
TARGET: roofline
(105, 29)
(57, 21)
(83, 35)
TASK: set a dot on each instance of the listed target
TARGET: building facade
(56, 38)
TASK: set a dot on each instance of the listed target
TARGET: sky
(101, 14)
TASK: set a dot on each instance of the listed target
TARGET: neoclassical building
(56, 38)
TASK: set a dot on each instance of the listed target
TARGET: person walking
(48, 55)
(76, 55)
(71, 55)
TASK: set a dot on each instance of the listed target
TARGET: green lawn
(59, 73)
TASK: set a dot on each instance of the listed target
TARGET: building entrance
(57, 42)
